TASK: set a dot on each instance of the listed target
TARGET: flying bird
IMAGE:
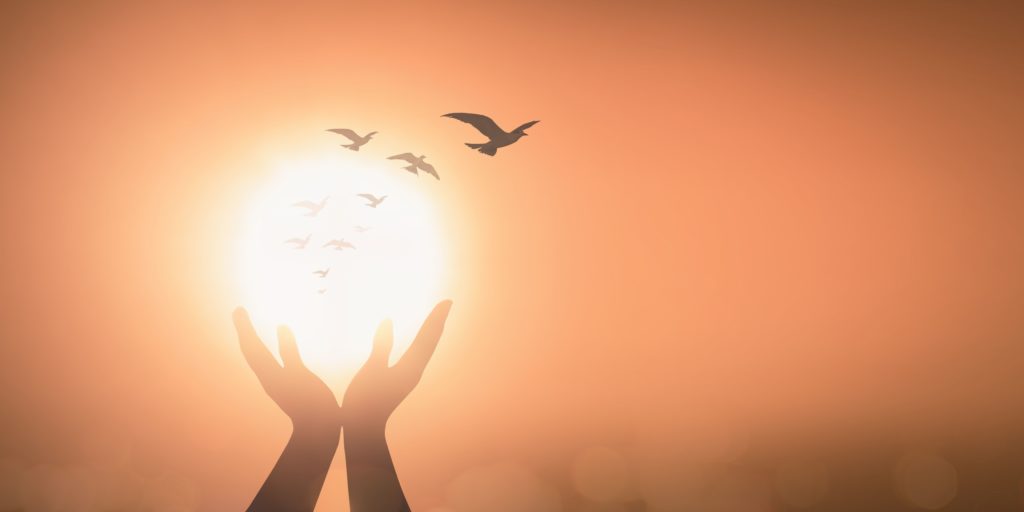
(299, 243)
(322, 273)
(339, 244)
(360, 229)
(373, 200)
(322, 291)
(416, 163)
(357, 140)
(314, 208)
(498, 138)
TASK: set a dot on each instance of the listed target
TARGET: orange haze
(736, 225)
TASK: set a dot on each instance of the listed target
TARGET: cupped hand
(377, 389)
(297, 391)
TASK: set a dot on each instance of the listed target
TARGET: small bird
(357, 140)
(322, 291)
(360, 229)
(416, 163)
(373, 200)
(498, 138)
(299, 243)
(314, 208)
(339, 244)
(322, 273)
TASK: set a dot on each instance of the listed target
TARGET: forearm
(296, 480)
(373, 484)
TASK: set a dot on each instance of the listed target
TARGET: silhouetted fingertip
(285, 332)
(442, 309)
(240, 317)
(385, 331)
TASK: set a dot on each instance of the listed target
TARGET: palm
(377, 389)
(296, 390)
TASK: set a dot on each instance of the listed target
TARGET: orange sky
(747, 218)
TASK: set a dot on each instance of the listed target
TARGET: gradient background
(755, 256)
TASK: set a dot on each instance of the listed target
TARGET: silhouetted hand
(298, 477)
(374, 393)
(377, 389)
(297, 391)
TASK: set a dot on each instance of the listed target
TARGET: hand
(297, 391)
(377, 389)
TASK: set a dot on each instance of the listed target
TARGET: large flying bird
(498, 138)
(416, 163)
(372, 200)
(339, 244)
(314, 208)
(299, 243)
(357, 140)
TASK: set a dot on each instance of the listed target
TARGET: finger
(382, 342)
(255, 352)
(288, 349)
(419, 353)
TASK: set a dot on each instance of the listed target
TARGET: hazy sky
(737, 218)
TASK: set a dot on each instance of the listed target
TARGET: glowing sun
(394, 271)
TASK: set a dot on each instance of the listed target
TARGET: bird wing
(484, 124)
(353, 136)
(526, 125)
(332, 242)
(306, 204)
(408, 157)
(368, 197)
(429, 169)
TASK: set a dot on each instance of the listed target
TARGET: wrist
(318, 434)
(361, 439)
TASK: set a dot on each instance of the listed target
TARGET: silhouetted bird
(498, 138)
(299, 243)
(360, 229)
(373, 200)
(322, 291)
(314, 208)
(322, 273)
(416, 163)
(357, 140)
(339, 244)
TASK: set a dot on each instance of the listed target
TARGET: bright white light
(394, 272)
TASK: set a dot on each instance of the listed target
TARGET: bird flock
(496, 138)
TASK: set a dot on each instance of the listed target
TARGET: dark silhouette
(322, 273)
(374, 393)
(372, 200)
(339, 244)
(357, 140)
(416, 164)
(299, 243)
(498, 138)
(314, 208)
(295, 482)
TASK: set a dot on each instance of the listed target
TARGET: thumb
(288, 348)
(382, 342)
